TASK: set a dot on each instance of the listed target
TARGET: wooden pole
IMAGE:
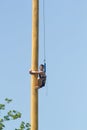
(34, 66)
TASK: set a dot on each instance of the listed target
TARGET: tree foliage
(11, 115)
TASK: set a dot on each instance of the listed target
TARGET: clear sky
(63, 103)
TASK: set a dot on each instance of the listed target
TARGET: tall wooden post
(34, 66)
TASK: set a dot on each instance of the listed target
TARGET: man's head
(41, 67)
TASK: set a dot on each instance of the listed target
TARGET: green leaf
(1, 120)
(12, 115)
(2, 106)
(6, 118)
(28, 125)
(22, 126)
(14, 111)
(2, 126)
(8, 100)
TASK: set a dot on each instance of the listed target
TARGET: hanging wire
(44, 29)
(44, 40)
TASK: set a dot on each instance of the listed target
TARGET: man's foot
(37, 87)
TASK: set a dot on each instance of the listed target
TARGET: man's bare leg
(39, 83)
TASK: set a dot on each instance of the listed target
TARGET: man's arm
(35, 72)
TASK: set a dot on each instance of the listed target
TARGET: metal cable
(44, 30)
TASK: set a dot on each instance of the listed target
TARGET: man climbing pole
(41, 76)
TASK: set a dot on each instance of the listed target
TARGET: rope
(44, 40)
(44, 29)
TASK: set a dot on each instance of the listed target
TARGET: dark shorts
(43, 84)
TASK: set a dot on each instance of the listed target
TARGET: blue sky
(63, 103)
